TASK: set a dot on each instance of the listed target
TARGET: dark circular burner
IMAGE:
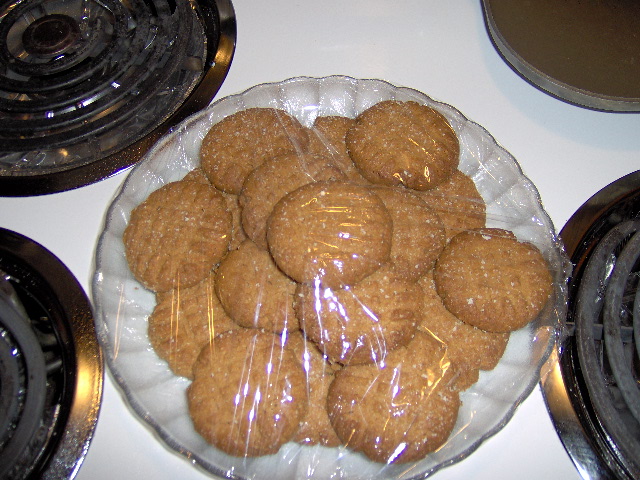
(87, 86)
(592, 391)
(50, 364)
(50, 35)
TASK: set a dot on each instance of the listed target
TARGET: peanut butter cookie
(418, 234)
(315, 428)
(469, 348)
(458, 204)
(248, 395)
(399, 411)
(184, 321)
(490, 280)
(327, 138)
(403, 143)
(333, 231)
(176, 236)
(361, 323)
(231, 201)
(240, 142)
(272, 180)
(253, 292)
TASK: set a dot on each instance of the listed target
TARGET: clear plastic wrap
(398, 380)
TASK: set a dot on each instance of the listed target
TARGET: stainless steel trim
(574, 437)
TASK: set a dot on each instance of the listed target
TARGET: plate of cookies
(327, 277)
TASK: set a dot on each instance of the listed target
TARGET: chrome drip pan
(87, 87)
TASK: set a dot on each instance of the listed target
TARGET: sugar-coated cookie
(327, 138)
(400, 411)
(469, 348)
(361, 323)
(418, 233)
(490, 280)
(240, 142)
(272, 180)
(403, 143)
(333, 231)
(231, 201)
(253, 292)
(458, 204)
(185, 320)
(248, 395)
(176, 236)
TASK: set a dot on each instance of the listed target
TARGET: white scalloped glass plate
(158, 397)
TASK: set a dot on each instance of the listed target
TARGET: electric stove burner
(87, 86)
(51, 367)
(593, 391)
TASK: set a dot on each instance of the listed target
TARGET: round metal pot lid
(88, 86)
(584, 52)
(54, 364)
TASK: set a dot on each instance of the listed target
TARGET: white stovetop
(438, 47)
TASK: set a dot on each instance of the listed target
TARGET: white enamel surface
(440, 48)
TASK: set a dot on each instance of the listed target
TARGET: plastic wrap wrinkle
(158, 397)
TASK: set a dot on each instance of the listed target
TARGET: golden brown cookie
(272, 180)
(469, 348)
(403, 143)
(327, 137)
(253, 292)
(315, 428)
(183, 321)
(490, 280)
(361, 323)
(418, 234)
(248, 395)
(231, 201)
(400, 411)
(333, 231)
(240, 142)
(458, 204)
(176, 236)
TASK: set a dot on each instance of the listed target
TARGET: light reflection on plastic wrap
(340, 229)
(328, 351)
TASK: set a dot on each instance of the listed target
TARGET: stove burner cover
(593, 391)
(50, 35)
(88, 86)
(51, 367)
(583, 52)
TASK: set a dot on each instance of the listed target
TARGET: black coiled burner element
(607, 308)
(81, 80)
(51, 369)
(593, 392)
